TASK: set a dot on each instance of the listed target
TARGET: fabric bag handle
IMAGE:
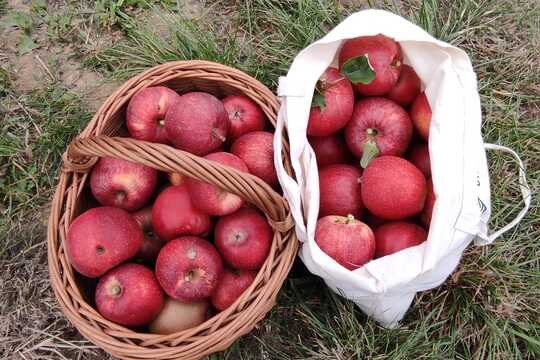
(523, 185)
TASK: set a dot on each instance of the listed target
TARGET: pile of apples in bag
(369, 127)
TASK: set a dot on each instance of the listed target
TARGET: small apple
(151, 242)
(419, 156)
(349, 242)
(174, 214)
(122, 184)
(407, 87)
(146, 111)
(244, 116)
(188, 268)
(378, 126)
(178, 315)
(395, 236)
(176, 179)
(330, 149)
(197, 122)
(421, 115)
(340, 191)
(129, 295)
(425, 215)
(211, 199)
(231, 286)
(102, 238)
(377, 58)
(393, 188)
(243, 239)
(332, 104)
(256, 149)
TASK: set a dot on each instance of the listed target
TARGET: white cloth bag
(384, 288)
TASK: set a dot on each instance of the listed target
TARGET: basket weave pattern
(100, 139)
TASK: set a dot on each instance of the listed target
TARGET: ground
(60, 59)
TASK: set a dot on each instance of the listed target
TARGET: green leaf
(26, 44)
(318, 100)
(369, 152)
(359, 70)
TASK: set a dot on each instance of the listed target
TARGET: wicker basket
(71, 198)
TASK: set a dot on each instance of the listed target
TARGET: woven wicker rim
(98, 140)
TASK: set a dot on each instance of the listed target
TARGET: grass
(487, 309)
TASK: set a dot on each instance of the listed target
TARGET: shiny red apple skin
(406, 88)
(421, 115)
(129, 295)
(340, 191)
(231, 286)
(244, 239)
(338, 104)
(188, 268)
(174, 214)
(418, 155)
(244, 116)
(197, 122)
(348, 241)
(331, 149)
(393, 188)
(396, 236)
(425, 215)
(122, 184)
(385, 57)
(256, 149)
(146, 111)
(151, 242)
(102, 238)
(382, 121)
(209, 198)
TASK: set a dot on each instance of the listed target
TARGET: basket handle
(523, 185)
(83, 153)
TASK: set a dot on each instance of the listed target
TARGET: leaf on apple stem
(359, 70)
(369, 152)
(318, 100)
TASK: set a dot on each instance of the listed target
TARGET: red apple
(256, 149)
(421, 115)
(395, 236)
(176, 179)
(340, 192)
(210, 198)
(174, 214)
(197, 122)
(129, 295)
(178, 315)
(102, 238)
(349, 242)
(122, 184)
(419, 156)
(425, 215)
(243, 239)
(231, 286)
(151, 242)
(330, 149)
(188, 268)
(146, 113)
(407, 87)
(385, 59)
(332, 105)
(244, 116)
(393, 188)
(378, 126)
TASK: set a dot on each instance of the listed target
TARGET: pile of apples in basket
(171, 251)
(369, 127)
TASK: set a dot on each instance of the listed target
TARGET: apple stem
(350, 219)
(189, 276)
(219, 136)
(116, 290)
(161, 122)
(100, 250)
